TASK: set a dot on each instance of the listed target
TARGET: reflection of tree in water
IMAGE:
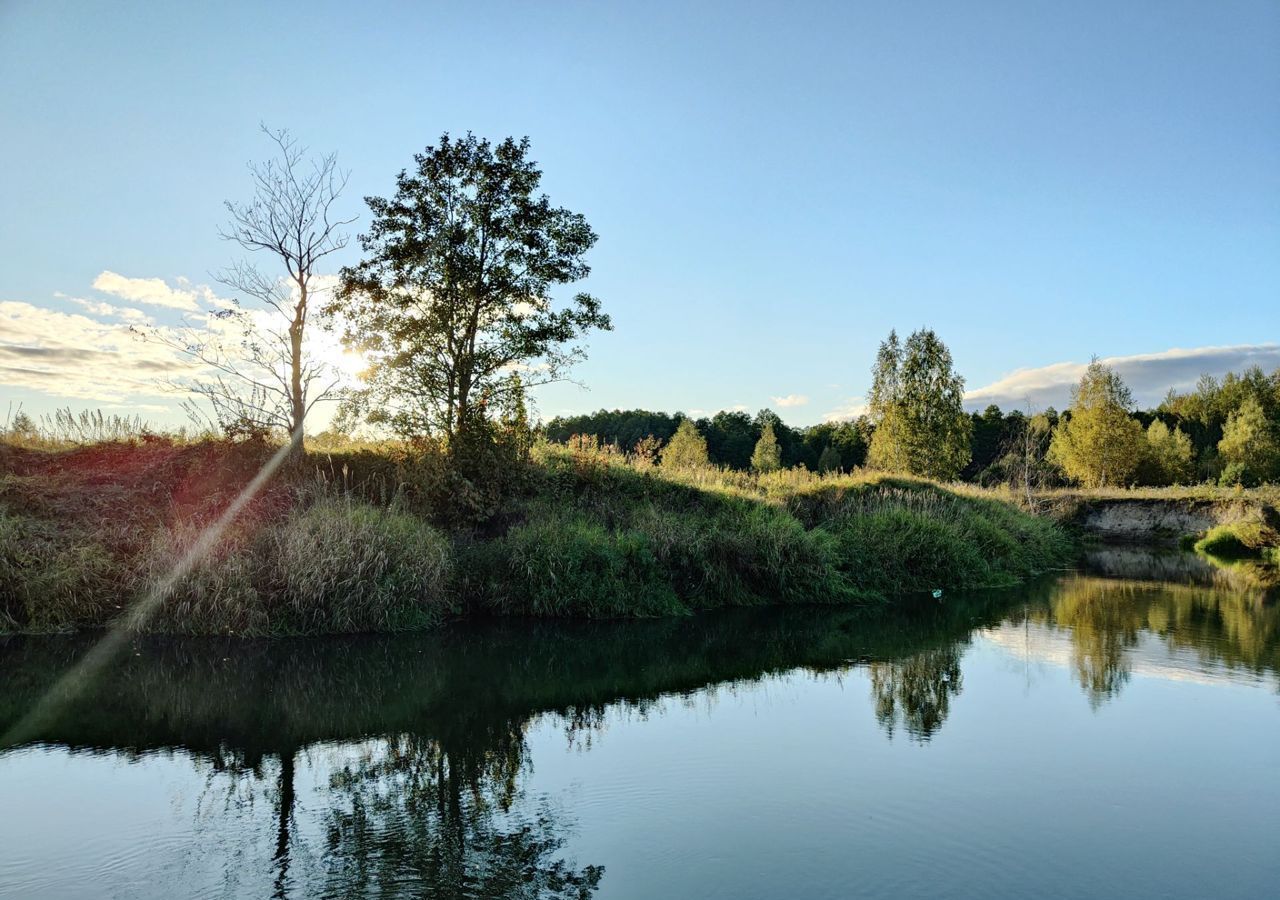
(413, 818)
(1227, 626)
(916, 691)
(1103, 626)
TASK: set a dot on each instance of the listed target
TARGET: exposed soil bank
(1158, 520)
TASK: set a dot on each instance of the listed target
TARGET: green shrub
(1238, 539)
(335, 566)
(565, 564)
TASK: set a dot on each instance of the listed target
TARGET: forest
(1225, 431)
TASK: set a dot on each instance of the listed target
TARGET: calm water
(1110, 733)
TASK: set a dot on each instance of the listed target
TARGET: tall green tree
(454, 292)
(830, 460)
(1170, 455)
(917, 402)
(1099, 444)
(687, 448)
(1250, 445)
(767, 456)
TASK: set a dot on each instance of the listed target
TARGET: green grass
(358, 542)
(332, 566)
(601, 538)
(1238, 540)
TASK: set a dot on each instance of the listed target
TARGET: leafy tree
(1171, 458)
(626, 428)
(768, 455)
(454, 292)
(516, 429)
(830, 460)
(22, 428)
(846, 442)
(917, 400)
(1250, 445)
(645, 452)
(989, 438)
(731, 438)
(1100, 443)
(687, 449)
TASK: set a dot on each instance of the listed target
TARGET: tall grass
(606, 538)
(366, 539)
(334, 566)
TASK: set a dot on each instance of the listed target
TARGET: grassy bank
(371, 540)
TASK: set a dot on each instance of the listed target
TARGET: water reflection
(414, 749)
(915, 693)
(410, 816)
(1224, 619)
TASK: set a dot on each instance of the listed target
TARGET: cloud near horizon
(92, 355)
(791, 400)
(1149, 375)
(847, 411)
(70, 355)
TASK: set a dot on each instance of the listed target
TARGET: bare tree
(260, 376)
(1029, 450)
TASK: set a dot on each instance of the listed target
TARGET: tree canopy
(1099, 444)
(917, 403)
(687, 448)
(453, 296)
(767, 456)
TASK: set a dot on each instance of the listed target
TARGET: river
(1113, 731)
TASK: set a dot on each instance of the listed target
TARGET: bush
(563, 563)
(1238, 539)
(336, 566)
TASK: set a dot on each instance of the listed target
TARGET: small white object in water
(937, 593)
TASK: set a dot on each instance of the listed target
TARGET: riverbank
(1225, 521)
(132, 534)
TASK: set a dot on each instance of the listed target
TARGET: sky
(775, 186)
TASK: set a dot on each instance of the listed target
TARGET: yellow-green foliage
(687, 448)
(1170, 454)
(767, 456)
(1250, 445)
(1099, 444)
(1239, 539)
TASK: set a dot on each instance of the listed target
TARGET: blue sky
(775, 185)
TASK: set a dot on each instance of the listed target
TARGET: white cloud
(850, 409)
(151, 291)
(93, 355)
(123, 313)
(1149, 375)
(791, 400)
(71, 355)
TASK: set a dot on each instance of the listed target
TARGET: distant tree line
(731, 438)
(1224, 431)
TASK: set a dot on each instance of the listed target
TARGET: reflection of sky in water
(1151, 657)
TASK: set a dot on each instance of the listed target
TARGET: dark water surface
(1114, 732)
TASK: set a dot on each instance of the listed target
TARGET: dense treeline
(731, 437)
(1224, 431)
